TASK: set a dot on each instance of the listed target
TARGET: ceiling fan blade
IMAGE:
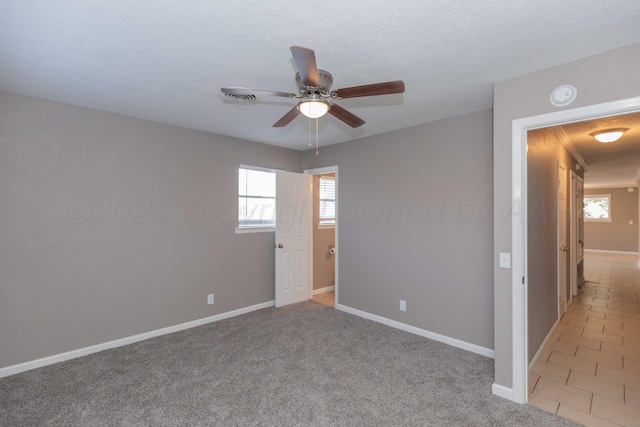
(346, 116)
(286, 119)
(247, 91)
(384, 88)
(305, 60)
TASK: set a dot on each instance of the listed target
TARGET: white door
(573, 237)
(294, 213)
(562, 239)
(580, 220)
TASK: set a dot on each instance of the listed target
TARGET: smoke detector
(563, 95)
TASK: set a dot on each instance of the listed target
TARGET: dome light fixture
(314, 108)
(608, 135)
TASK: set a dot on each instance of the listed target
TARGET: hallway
(589, 370)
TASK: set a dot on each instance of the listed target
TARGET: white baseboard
(323, 290)
(536, 357)
(603, 251)
(418, 331)
(502, 391)
(56, 358)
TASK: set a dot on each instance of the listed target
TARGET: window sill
(597, 220)
(326, 226)
(245, 230)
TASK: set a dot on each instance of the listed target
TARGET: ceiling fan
(314, 92)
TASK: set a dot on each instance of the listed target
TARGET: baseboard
(323, 290)
(603, 251)
(502, 391)
(50, 360)
(536, 357)
(418, 331)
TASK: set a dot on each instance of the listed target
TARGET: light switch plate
(505, 260)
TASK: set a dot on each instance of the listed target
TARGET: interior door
(562, 239)
(580, 220)
(573, 237)
(294, 213)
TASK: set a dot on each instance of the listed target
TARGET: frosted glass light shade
(610, 135)
(313, 108)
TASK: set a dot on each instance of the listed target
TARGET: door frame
(519, 272)
(320, 171)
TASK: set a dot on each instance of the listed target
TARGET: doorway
(324, 268)
(576, 239)
(520, 273)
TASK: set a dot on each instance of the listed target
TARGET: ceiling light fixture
(314, 108)
(608, 135)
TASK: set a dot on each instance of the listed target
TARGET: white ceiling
(166, 60)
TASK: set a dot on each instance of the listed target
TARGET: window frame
(597, 196)
(257, 228)
(320, 225)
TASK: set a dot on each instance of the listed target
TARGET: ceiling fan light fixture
(314, 108)
(608, 135)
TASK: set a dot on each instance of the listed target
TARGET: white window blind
(327, 200)
(256, 198)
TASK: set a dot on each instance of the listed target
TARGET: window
(256, 198)
(597, 207)
(327, 195)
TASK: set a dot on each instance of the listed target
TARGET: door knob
(566, 249)
(280, 246)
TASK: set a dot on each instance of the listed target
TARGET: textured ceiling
(166, 60)
(613, 164)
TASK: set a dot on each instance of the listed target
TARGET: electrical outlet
(403, 305)
(209, 299)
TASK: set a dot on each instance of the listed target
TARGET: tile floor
(326, 298)
(589, 370)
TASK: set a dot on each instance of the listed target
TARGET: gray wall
(617, 235)
(415, 206)
(324, 264)
(109, 229)
(609, 76)
(543, 152)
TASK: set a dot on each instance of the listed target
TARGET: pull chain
(316, 136)
(309, 144)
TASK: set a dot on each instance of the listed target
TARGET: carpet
(300, 365)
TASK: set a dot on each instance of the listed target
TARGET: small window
(256, 198)
(597, 207)
(327, 194)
